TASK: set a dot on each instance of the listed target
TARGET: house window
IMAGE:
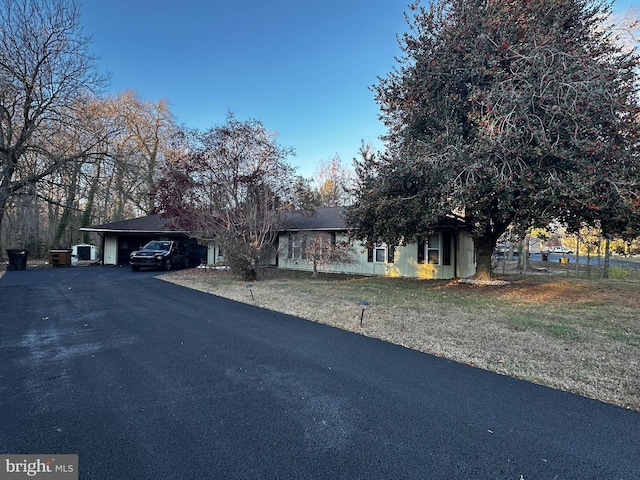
(433, 249)
(429, 251)
(381, 254)
(296, 247)
(436, 250)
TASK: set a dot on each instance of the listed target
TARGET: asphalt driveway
(144, 379)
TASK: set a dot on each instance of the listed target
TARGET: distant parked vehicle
(502, 250)
(161, 255)
(561, 250)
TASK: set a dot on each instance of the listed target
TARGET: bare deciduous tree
(144, 130)
(45, 67)
(229, 184)
(322, 249)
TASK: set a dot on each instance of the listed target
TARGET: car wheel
(135, 268)
(186, 263)
(167, 264)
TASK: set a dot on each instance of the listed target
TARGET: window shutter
(290, 247)
(370, 255)
(421, 248)
(391, 254)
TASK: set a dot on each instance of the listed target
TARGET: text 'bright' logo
(58, 467)
(30, 468)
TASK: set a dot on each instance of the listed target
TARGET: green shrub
(618, 273)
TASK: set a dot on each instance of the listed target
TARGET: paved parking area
(145, 379)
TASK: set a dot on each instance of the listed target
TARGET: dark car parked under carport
(162, 255)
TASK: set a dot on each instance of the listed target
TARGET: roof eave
(316, 229)
(111, 230)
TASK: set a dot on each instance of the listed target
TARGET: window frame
(296, 247)
(443, 248)
(386, 252)
(430, 248)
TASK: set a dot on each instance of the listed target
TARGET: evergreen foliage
(509, 112)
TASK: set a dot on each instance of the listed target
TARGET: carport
(119, 239)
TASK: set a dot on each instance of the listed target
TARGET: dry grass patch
(577, 335)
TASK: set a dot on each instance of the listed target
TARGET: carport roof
(147, 224)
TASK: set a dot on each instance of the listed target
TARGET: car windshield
(157, 246)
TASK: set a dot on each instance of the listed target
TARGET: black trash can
(545, 257)
(17, 258)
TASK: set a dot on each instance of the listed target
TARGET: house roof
(325, 219)
(328, 218)
(332, 219)
(147, 224)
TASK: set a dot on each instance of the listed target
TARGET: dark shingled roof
(148, 224)
(332, 219)
(328, 218)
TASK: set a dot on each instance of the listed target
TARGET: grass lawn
(576, 334)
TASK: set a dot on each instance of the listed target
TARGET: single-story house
(121, 238)
(447, 253)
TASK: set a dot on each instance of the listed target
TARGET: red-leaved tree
(229, 185)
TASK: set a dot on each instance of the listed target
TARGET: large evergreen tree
(509, 112)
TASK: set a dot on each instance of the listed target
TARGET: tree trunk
(65, 219)
(485, 244)
(599, 253)
(526, 264)
(250, 274)
(8, 163)
(577, 256)
(484, 252)
(87, 214)
(607, 256)
(3, 204)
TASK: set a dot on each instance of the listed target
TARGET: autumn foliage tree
(334, 182)
(230, 185)
(511, 113)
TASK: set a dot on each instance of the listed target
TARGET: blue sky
(303, 68)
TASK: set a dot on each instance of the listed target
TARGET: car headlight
(131, 255)
(159, 257)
